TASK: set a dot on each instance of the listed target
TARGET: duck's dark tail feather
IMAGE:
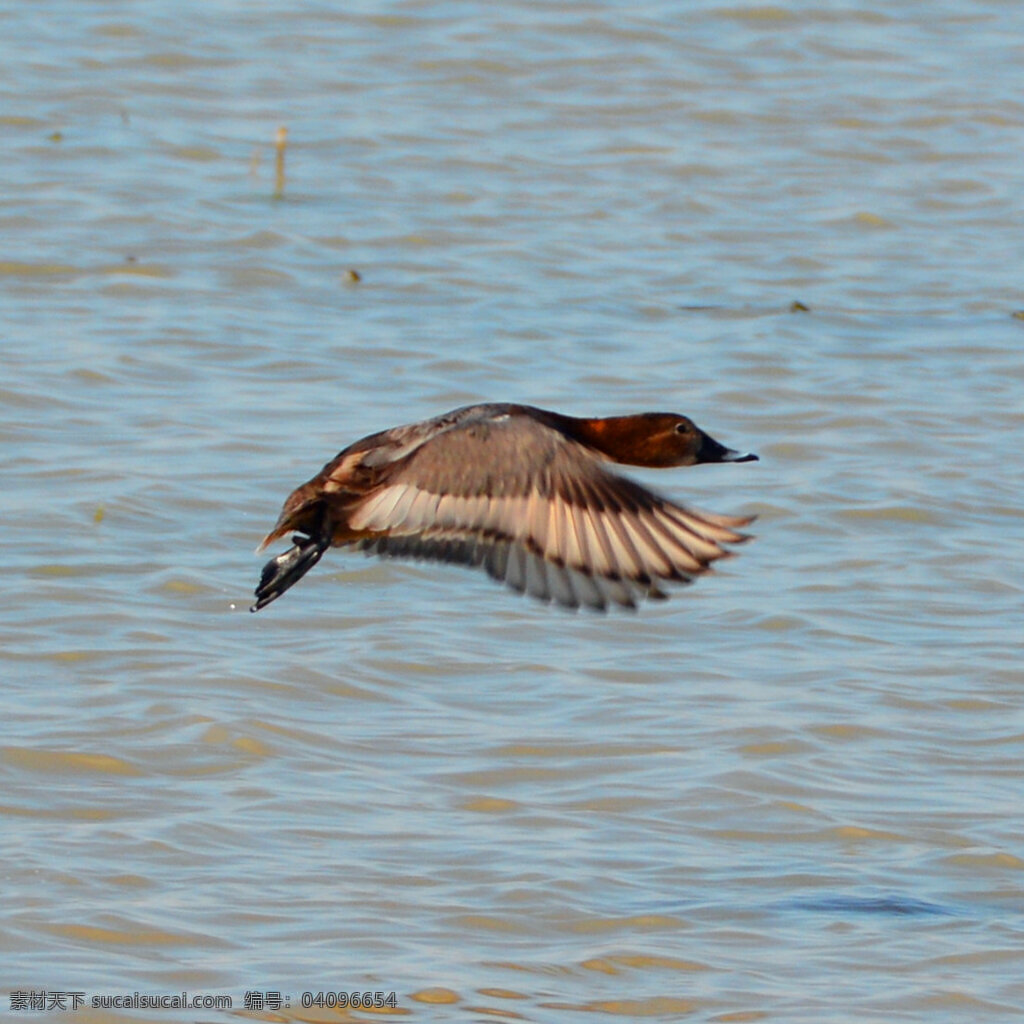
(288, 568)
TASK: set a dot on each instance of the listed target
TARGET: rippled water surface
(793, 792)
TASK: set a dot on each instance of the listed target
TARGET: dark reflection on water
(899, 906)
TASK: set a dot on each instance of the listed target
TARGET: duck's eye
(682, 428)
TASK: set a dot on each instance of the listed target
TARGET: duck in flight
(523, 493)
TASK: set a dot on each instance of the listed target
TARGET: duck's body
(521, 492)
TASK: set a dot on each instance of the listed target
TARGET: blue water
(790, 793)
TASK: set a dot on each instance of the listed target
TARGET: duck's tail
(304, 512)
(288, 568)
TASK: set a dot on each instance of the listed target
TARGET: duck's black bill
(731, 456)
(712, 451)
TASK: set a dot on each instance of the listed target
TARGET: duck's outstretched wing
(540, 513)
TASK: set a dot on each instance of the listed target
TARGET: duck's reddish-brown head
(658, 440)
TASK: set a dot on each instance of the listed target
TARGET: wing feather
(571, 531)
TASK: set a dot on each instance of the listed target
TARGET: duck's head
(661, 439)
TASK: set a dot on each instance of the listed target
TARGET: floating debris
(280, 142)
(351, 276)
(796, 306)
